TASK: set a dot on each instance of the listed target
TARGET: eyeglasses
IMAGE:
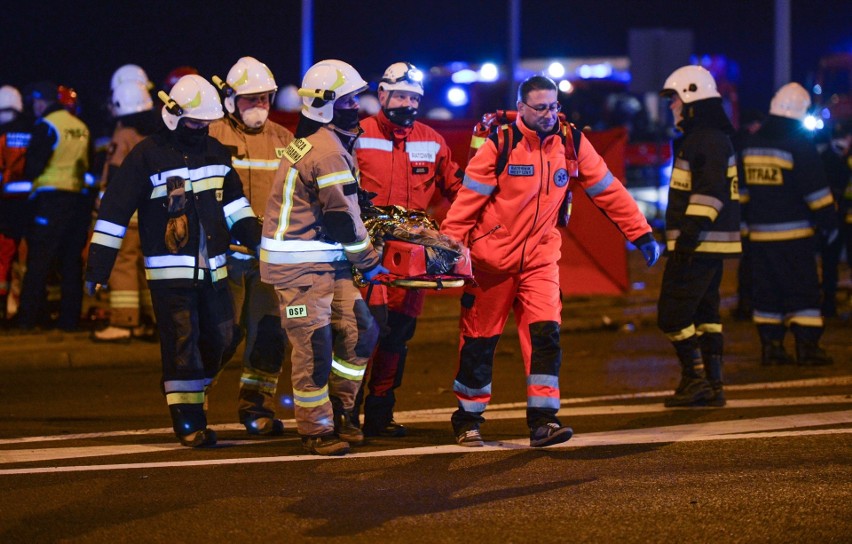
(556, 107)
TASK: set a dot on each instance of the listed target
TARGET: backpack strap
(505, 143)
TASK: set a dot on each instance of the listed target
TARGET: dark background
(80, 44)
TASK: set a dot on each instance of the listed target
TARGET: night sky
(81, 46)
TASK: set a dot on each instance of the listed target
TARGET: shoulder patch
(297, 150)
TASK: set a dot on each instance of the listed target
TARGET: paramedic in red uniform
(403, 162)
(509, 221)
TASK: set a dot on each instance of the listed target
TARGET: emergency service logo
(560, 178)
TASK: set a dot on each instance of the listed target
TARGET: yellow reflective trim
(763, 320)
(793, 234)
(243, 79)
(357, 247)
(827, 200)
(709, 328)
(288, 190)
(185, 397)
(767, 161)
(682, 334)
(335, 178)
(209, 183)
(701, 210)
(719, 247)
(310, 399)
(806, 321)
(194, 103)
(476, 142)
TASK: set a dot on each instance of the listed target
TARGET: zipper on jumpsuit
(537, 205)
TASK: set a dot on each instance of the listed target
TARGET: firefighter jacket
(14, 140)
(254, 155)
(404, 165)
(312, 221)
(58, 154)
(703, 213)
(787, 188)
(215, 205)
(509, 220)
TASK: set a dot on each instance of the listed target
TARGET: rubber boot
(773, 353)
(810, 354)
(713, 367)
(694, 389)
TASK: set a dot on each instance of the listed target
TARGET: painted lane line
(497, 411)
(758, 428)
(763, 386)
(613, 409)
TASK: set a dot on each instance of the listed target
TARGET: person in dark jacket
(791, 210)
(190, 202)
(702, 229)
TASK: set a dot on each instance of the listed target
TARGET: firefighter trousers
(257, 317)
(689, 299)
(396, 311)
(787, 290)
(332, 334)
(128, 289)
(195, 326)
(533, 296)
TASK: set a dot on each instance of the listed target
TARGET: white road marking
(431, 414)
(766, 427)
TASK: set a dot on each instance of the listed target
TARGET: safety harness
(502, 123)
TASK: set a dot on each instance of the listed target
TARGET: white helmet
(402, 76)
(192, 97)
(130, 97)
(791, 100)
(325, 82)
(248, 76)
(691, 83)
(129, 72)
(10, 99)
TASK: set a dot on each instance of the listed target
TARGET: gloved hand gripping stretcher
(413, 250)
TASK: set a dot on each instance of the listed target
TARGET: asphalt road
(87, 455)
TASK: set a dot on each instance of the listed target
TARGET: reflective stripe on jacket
(509, 221)
(404, 165)
(313, 199)
(255, 156)
(215, 209)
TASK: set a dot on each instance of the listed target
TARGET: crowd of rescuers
(211, 226)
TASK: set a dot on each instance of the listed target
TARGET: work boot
(198, 439)
(391, 430)
(265, 426)
(692, 391)
(713, 368)
(325, 445)
(773, 353)
(346, 429)
(810, 354)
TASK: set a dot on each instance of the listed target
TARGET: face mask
(345, 119)
(254, 117)
(190, 137)
(6, 116)
(403, 116)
